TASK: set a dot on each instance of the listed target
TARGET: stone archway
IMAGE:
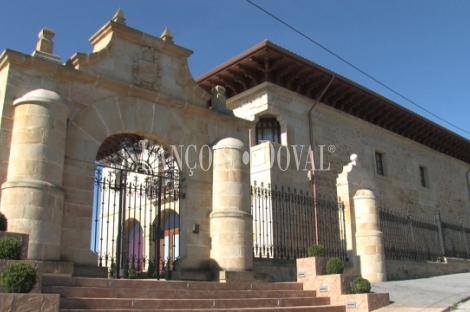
(57, 134)
(167, 123)
(137, 183)
(85, 135)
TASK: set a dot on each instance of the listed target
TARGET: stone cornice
(112, 30)
(70, 75)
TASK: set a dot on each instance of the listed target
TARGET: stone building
(414, 166)
(413, 162)
(267, 114)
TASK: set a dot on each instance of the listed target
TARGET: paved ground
(464, 306)
(433, 294)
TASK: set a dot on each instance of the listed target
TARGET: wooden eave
(267, 62)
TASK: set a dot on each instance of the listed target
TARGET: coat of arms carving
(145, 69)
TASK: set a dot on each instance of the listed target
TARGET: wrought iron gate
(137, 197)
(284, 223)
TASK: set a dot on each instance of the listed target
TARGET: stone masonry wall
(398, 190)
(6, 125)
(132, 83)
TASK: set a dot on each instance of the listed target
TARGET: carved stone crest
(145, 69)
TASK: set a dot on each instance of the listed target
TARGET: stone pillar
(369, 238)
(353, 177)
(32, 197)
(231, 223)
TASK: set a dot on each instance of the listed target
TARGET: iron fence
(456, 239)
(284, 223)
(407, 236)
(136, 226)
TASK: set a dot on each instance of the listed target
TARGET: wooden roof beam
(351, 97)
(333, 95)
(237, 79)
(293, 80)
(228, 84)
(303, 87)
(249, 73)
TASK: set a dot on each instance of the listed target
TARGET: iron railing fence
(136, 222)
(455, 238)
(284, 223)
(407, 236)
(331, 227)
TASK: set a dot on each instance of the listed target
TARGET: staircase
(96, 294)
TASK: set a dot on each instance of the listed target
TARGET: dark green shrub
(10, 248)
(19, 277)
(132, 272)
(316, 251)
(334, 266)
(360, 286)
(151, 270)
(167, 269)
(112, 270)
(3, 222)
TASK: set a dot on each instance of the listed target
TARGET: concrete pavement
(433, 294)
(463, 307)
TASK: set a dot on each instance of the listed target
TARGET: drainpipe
(468, 183)
(468, 189)
(312, 157)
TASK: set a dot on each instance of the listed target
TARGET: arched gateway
(137, 206)
(127, 106)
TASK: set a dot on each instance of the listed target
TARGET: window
(379, 163)
(423, 176)
(268, 129)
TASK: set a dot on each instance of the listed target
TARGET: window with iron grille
(268, 129)
(423, 176)
(379, 163)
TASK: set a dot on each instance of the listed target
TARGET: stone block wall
(30, 302)
(131, 83)
(278, 270)
(410, 269)
(336, 286)
(399, 189)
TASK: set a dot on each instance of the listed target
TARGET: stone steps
(97, 294)
(164, 285)
(331, 308)
(176, 304)
(93, 292)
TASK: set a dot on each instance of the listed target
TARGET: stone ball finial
(353, 157)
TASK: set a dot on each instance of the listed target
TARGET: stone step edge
(203, 299)
(150, 283)
(92, 303)
(334, 308)
(218, 292)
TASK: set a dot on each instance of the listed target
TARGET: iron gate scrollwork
(137, 208)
